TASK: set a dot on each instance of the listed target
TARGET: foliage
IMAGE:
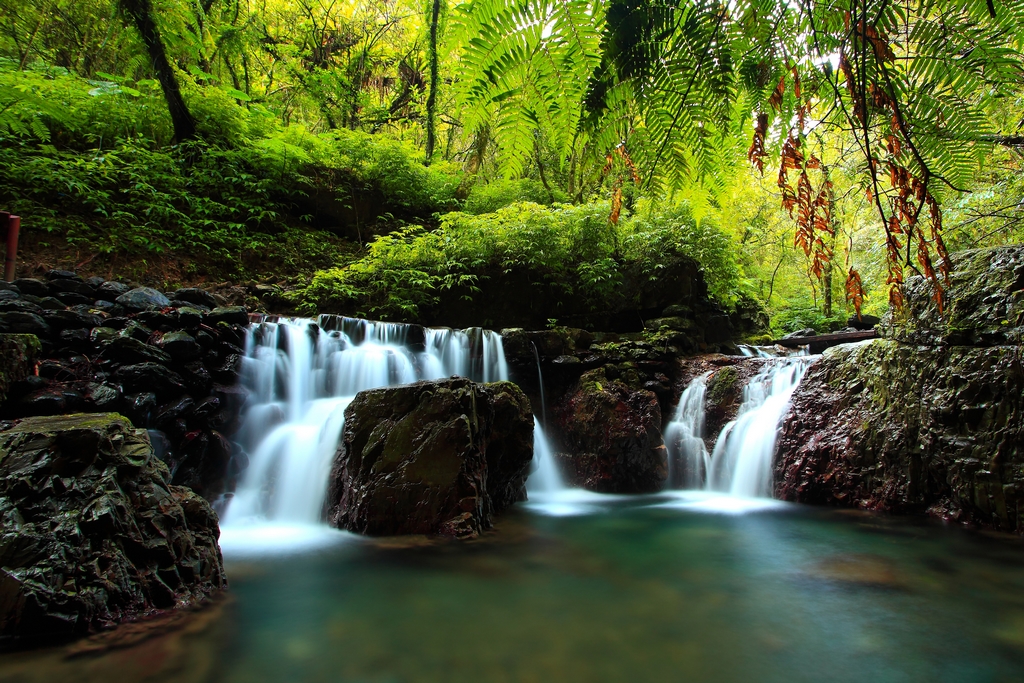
(499, 193)
(573, 247)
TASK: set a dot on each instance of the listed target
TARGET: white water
(688, 459)
(301, 375)
(741, 463)
(545, 478)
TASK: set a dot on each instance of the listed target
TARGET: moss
(722, 386)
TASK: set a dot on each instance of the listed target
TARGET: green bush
(574, 248)
(497, 194)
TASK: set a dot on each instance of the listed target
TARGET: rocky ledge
(91, 531)
(930, 418)
(167, 361)
(437, 458)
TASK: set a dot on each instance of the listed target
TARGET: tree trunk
(141, 13)
(435, 13)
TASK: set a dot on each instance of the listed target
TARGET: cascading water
(688, 459)
(301, 375)
(742, 460)
(545, 478)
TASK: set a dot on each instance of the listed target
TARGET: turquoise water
(636, 589)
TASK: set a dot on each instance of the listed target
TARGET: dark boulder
(128, 351)
(18, 353)
(73, 298)
(65, 275)
(110, 290)
(194, 295)
(180, 345)
(66, 285)
(94, 534)
(150, 377)
(232, 315)
(71, 320)
(9, 295)
(438, 458)
(612, 434)
(31, 286)
(143, 299)
(20, 322)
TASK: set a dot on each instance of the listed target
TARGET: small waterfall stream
(742, 459)
(302, 375)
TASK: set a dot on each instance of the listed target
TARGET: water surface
(600, 588)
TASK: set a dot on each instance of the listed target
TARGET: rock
(232, 315)
(438, 458)
(180, 345)
(139, 407)
(135, 330)
(984, 303)
(806, 332)
(108, 307)
(111, 290)
(677, 311)
(9, 295)
(102, 335)
(104, 397)
(65, 275)
(150, 377)
(73, 298)
(126, 350)
(95, 280)
(673, 323)
(203, 463)
(31, 286)
(25, 323)
(613, 435)
(864, 322)
(64, 286)
(49, 303)
(47, 401)
(71, 320)
(93, 532)
(889, 426)
(190, 318)
(143, 299)
(18, 353)
(194, 295)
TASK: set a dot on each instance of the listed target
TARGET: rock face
(613, 436)
(17, 358)
(91, 532)
(148, 356)
(929, 418)
(437, 458)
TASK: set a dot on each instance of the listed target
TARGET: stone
(135, 330)
(678, 323)
(864, 322)
(139, 407)
(150, 377)
(805, 332)
(71, 320)
(984, 303)
(64, 285)
(194, 295)
(66, 275)
(46, 401)
(9, 295)
(437, 458)
(25, 323)
(157, 320)
(73, 298)
(49, 303)
(102, 335)
(104, 397)
(180, 345)
(232, 315)
(127, 351)
(612, 435)
(18, 353)
(190, 318)
(110, 290)
(94, 534)
(31, 286)
(143, 299)
(95, 280)
(202, 463)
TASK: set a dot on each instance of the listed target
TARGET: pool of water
(599, 588)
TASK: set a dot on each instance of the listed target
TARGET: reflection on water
(653, 588)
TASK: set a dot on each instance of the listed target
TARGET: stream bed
(673, 587)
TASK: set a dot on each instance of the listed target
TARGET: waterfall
(545, 478)
(742, 461)
(301, 375)
(688, 459)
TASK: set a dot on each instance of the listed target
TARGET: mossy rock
(18, 353)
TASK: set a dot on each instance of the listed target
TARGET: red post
(13, 228)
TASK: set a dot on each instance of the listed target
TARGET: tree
(677, 85)
(435, 16)
(142, 16)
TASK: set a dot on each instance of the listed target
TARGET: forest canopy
(836, 147)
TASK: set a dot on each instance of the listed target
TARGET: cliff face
(929, 418)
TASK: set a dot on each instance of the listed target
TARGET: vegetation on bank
(378, 157)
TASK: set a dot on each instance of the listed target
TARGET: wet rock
(20, 322)
(203, 463)
(18, 353)
(180, 345)
(110, 290)
(95, 280)
(22, 305)
(46, 401)
(102, 335)
(613, 436)
(9, 295)
(143, 299)
(108, 307)
(104, 397)
(232, 315)
(63, 275)
(49, 303)
(438, 458)
(139, 407)
(189, 318)
(864, 322)
(806, 332)
(150, 377)
(127, 350)
(31, 286)
(73, 298)
(194, 295)
(984, 303)
(94, 534)
(71, 320)
(66, 285)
